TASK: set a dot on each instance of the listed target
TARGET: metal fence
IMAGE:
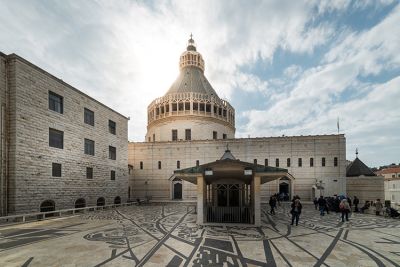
(229, 214)
(21, 218)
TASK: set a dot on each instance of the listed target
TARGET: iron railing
(229, 214)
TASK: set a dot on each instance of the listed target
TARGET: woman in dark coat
(296, 211)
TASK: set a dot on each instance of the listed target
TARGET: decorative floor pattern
(166, 235)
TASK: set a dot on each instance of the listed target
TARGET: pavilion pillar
(256, 200)
(201, 199)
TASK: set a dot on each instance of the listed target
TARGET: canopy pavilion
(228, 190)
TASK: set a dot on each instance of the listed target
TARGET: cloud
(126, 54)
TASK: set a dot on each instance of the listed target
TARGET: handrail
(42, 215)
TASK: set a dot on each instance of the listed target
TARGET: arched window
(80, 203)
(117, 200)
(46, 206)
(101, 201)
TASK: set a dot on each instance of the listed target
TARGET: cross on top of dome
(191, 45)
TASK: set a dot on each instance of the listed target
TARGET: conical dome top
(191, 78)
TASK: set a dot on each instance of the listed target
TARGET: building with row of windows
(60, 148)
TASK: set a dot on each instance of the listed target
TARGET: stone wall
(201, 128)
(366, 188)
(31, 157)
(3, 193)
(247, 149)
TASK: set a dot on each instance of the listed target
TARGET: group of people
(341, 204)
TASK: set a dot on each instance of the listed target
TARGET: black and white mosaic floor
(166, 235)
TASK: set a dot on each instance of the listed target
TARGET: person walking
(322, 205)
(356, 201)
(296, 211)
(316, 203)
(378, 207)
(345, 209)
(272, 204)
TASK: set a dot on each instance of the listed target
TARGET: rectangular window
(276, 162)
(288, 162)
(56, 169)
(111, 126)
(197, 163)
(178, 164)
(154, 137)
(112, 153)
(56, 138)
(224, 136)
(141, 165)
(89, 147)
(159, 165)
(266, 162)
(56, 102)
(89, 173)
(215, 135)
(311, 162)
(174, 135)
(88, 117)
(323, 162)
(255, 161)
(112, 175)
(335, 161)
(188, 134)
(300, 162)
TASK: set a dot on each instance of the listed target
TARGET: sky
(287, 67)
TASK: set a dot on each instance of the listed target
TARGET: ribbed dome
(192, 79)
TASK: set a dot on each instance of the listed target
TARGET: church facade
(190, 126)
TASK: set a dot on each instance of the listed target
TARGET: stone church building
(191, 125)
(62, 149)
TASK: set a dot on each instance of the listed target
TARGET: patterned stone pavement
(166, 235)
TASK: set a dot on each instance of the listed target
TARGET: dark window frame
(141, 165)
(266, 162)
(89, 147)
(288, 162)
(112, 175)
(215, 135)
(188, 134)
(300, 162)
(311, 162)
(335, 161)
(159, 165)
(88, 116)
(174, 134)
(178, 164)
(56, 102)
(112, 127)
(89, 172)
(56, 169)
(53, 141)
(112, 153)
(277, 162)
(323, 162)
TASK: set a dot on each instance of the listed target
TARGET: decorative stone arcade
(228, 190)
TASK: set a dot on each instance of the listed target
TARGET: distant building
(60, 148)
(362, 182)
(392, 185)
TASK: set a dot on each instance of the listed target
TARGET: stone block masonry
(30, 156)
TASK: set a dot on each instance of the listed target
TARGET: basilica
(190, 126)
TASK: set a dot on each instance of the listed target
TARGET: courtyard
(167, 235)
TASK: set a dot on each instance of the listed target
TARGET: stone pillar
(256, 196)
(201, 199)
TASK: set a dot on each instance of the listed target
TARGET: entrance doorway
(284, 189)
(177, 189)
